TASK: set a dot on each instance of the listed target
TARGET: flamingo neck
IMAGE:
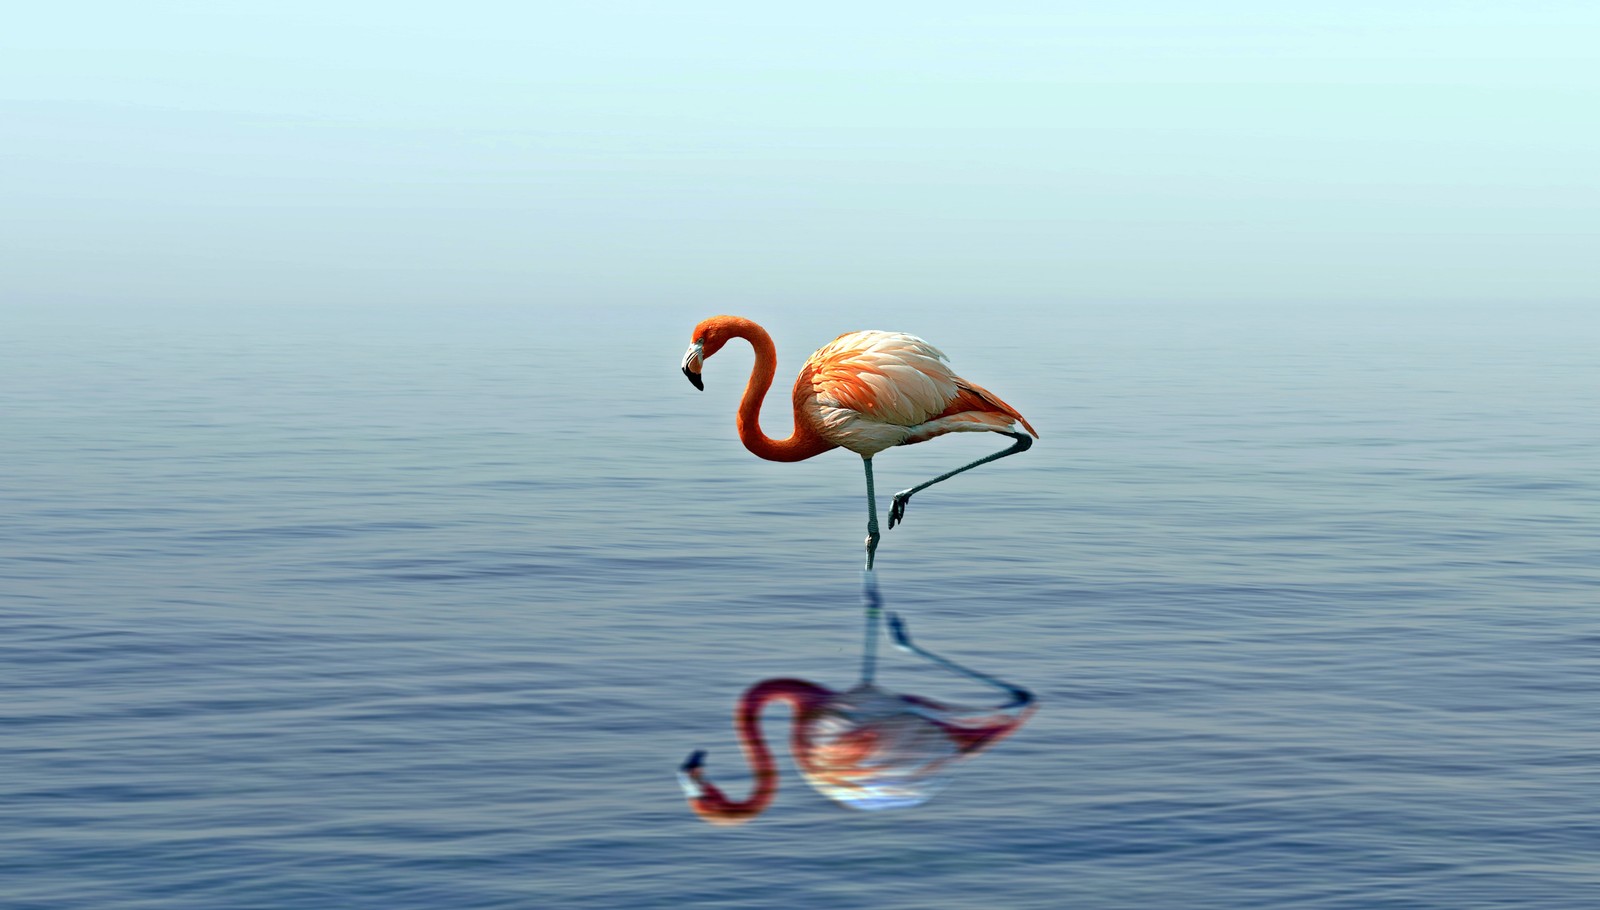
(803, 442)
(712, 804)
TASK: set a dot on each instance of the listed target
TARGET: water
(365, 608)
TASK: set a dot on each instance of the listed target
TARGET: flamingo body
(869, 391)
(864, 391)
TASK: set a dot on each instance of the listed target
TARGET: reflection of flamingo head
(708, 800)
(865, 748)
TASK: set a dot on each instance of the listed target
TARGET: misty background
(719, 154)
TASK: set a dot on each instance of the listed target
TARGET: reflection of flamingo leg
(897, 509)
(902, 640)
(874, 602)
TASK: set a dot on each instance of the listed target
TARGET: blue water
(375, 608)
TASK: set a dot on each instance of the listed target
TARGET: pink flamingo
(866, 392)
(865, 748)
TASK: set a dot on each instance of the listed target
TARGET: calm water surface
(353, 608)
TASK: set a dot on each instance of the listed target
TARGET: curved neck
(804, 441)
(713, 805)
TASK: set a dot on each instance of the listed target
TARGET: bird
(864, 391)
(864, 748)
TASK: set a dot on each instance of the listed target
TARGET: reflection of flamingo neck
(804, 441)
(712, 805)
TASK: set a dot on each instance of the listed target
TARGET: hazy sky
(720, 155)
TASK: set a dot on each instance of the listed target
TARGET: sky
(725, 155)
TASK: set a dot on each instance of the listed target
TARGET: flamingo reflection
(866, 747)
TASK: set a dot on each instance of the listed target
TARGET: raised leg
(1020, 697)
(897, 511)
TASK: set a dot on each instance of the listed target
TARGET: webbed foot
(897, 509)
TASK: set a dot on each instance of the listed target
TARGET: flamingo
(866, 392)
(864, 748)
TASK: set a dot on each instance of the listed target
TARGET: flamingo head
(709, 337)
(693, 361)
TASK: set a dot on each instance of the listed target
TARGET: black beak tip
(694, 378)
(695, 760)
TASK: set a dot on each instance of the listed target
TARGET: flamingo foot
(897, 509)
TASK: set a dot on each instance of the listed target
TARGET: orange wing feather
(895, 378)
(977, 399)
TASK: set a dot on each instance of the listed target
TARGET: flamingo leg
(897, 511)
(869, 582)
(872, 514)
(902, 640)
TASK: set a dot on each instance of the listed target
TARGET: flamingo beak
(692, 363)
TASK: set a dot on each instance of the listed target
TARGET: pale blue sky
(728, 155)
